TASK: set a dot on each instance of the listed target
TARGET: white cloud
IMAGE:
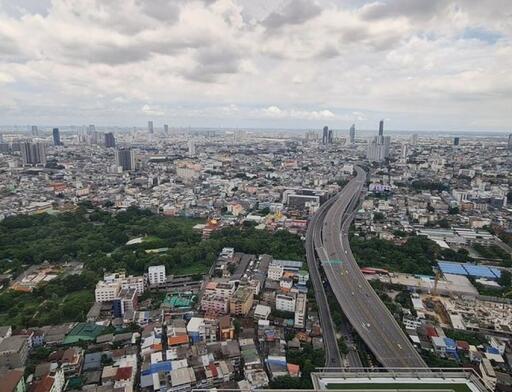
(276, 112)
(5, 78)
(289, 61)
(151, 111)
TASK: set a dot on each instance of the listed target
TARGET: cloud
(294, 13)
(6, 78)
(420, 9)
(240, 62)
(151, 111)
(276, 112)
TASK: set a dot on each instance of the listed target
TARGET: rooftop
(400, 379)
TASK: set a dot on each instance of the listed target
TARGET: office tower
(405, 151)
(125, 158)
(4, 147)
(510, 142)
(56, 137)
(352, 134)
(414, 139)
(330, 137)
(110, 140)
(379, 146)
(33, 153)
(150, 126)
(456, 141)
(166, 129)
(35, 131)
(191, 148)
(91, 128)
(325, 135)
(387, 145)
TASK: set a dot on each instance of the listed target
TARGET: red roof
(177, 340)
(293, 369)
(431, 331)
(10, 380)
(462, 345)
(44, 385)
(213, 369)
(123, 373)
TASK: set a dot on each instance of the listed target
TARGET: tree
(453, 210)
(379, 217)
(505, 279)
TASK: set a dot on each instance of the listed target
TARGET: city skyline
(417, 65)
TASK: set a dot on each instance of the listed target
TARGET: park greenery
(494, 252)
(416, 256)
(99, 240)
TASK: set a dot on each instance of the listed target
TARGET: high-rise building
(330, 136)
(56, 137)
(378, 147)
(166, 129)
(325, 135)
(150, 126)
(91, 128)
(35, 131)
(456, 141)
(125, 158)
(510, 142)
(405, 151)
(191, 148)
(414, 139)
(156, 274)
(110, 140)
(33, 153)
(352, 134)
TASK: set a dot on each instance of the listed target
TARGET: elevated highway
(361, 305)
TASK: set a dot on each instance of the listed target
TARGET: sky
(418, 64)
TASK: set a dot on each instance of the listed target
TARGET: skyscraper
(330, 136)
(166, 129)
(405, 151)
(378, 147)
(56, 137)
(35, 131)
(456, 141)
(125, 158)
(191, 148)
(33, 153)
(414, 139)
(510, 142)
(352, 134)
(150, 127)
(110, 140)
(325, 135)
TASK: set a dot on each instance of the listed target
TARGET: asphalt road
(359, 302)
(332, 353)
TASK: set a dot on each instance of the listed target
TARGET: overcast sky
(419, 64)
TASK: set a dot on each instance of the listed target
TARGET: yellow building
(241, 302)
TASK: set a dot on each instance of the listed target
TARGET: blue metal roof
(159, 367)
(479, 271)
(468, 269)
(448, 267)
(495, 271)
